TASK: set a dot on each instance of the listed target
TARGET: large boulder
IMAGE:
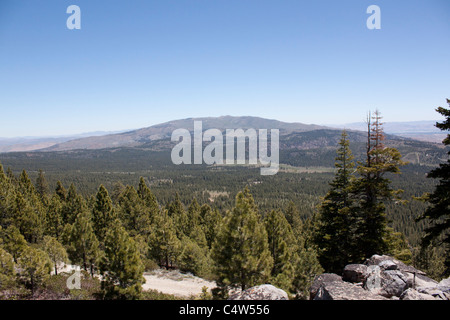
(262, 292)
(412, 294)
(341, 290)
(355, 273)
(320, 280)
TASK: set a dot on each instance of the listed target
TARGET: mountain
(164, 131)
(420, 130)
(20, 144)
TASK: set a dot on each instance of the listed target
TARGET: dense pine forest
(226, 224)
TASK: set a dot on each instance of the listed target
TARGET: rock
(412, 294)
(388, 265)
(320, 280)
(445, 283)
(394, 282)
(435, 292)
(261, 292)
(341, 290)
(355, 273)
(376, 260)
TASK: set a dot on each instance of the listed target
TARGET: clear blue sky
(137, 63)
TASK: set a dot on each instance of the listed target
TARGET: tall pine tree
(438, 213)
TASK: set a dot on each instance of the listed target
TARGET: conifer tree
(42, 185)
(438, 213)
(283, 248)
(121, 266)
(82, 244)
(336, 221)
(133, 213)
(55, 251)
(178, 214)
(13, 241)
(148, 197)
(7, 272)
(211, 220)
(34, 267)
(164, 243)
(103, 214)
(372, 189)
(60, 191)
(241, 251)
(54, 219)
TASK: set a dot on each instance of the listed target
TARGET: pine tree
(336, 220)
(148, 197)
(164, 243)
(42, 185)
(60, 191)
(7, 272)
(13, 241)
(103, 213)
(54, 219)
(83, 246)
(438, 213)
(211, 220)
(283, 248)
(34, 267)
(133, 213)
(121, 266)
(372, 189)
(193, 216)
(241, 251)
(176, 211)
(55, 251)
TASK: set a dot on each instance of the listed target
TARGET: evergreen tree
(438, 213)
(164, 243)
(148, 198)
(193, 216)
(292, 215)
(42, 185)
(7, 272)
(193, 258)
(54, 219)
(336, 221)
(283, 248)
(133, 213)
(13, 241)
(34, 267)
(60, 191)
(121, 266)
(55, 251)
(211, 220)
(103, 213)
(83, 246)
(372, 189)
(241, 251)
(176, 211)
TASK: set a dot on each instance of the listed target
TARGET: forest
(230, 225)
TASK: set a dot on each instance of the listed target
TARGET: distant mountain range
(419, 130)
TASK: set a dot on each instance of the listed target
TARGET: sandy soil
(176, 283)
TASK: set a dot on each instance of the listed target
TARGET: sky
(137, 63)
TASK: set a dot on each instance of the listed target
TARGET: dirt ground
(176, 283)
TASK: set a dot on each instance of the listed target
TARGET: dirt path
(176, 283)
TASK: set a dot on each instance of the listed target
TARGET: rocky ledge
(379, 278)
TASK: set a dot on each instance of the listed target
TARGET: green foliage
(164, 243)
(55, 251)
(194, 259)
(34, 267)
(241, 251)
(103, 214)
(82, 244)
(438, 213)
(121, 266)
(7, 272)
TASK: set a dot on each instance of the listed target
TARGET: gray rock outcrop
(379, 278)
(261, 292)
